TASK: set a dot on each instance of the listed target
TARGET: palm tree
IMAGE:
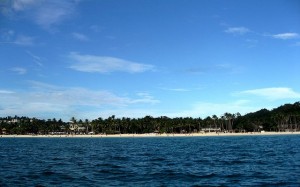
(215, 118)
(222, 119)
(111, 123)
(208, 121)
(87, 123)
(229, 117)
(73, 120)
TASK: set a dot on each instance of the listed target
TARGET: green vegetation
(283, 118)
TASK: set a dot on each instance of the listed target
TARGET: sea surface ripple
(170, 161)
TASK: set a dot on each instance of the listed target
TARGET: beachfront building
(15, 120)
(76, 128)
(3, 131)
(211, 129)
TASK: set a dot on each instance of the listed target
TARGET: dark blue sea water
(186, 161)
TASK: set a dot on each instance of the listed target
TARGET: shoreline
(211, 134)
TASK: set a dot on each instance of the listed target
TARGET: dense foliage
(283, 118)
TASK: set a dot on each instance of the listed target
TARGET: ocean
(159, 161)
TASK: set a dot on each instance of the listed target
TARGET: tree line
(283, 118)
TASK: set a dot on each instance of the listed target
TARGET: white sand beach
(151, 135)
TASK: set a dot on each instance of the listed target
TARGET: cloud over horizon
(205, 109)
(275, 93)
(47, 98)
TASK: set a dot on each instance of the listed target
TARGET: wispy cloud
(19, 5)
(297, 44)
(286, 36)
(216, 68)
(273, 93)
(176, 89)
(237, 30)
(96, 28)
(37, 60)
(198, 70)
(144, 97)
(43, 12)
(6, 92)
(80, 37)
(105, 64)
(24, 40)
(19, 70)
(41, 86)
(251, 43)
(8, 36)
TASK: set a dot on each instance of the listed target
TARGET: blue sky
(96, 58)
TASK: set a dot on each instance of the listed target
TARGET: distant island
(285, 118)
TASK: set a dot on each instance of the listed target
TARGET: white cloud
(204, 109)
(81, 96)
(105, 64)
(19, 70)
(45, 100)
(285, 36)
(80, 37)
(73, 96)
(237, 30)
(273, 93)
(43, 12)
